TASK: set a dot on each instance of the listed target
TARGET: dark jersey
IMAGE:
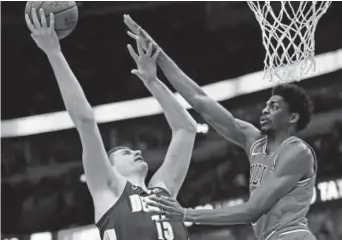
(129, 218)
(289, 212)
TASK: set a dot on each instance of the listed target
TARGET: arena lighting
(202, 128)
(87, 232)
(41, 236)
(111, 112)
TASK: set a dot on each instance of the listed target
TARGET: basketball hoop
(288, 35)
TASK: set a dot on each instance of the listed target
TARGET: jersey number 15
(164, 229)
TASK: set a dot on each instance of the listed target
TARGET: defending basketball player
(117, 181)
(282, 166)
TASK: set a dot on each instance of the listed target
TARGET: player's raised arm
(171, 174)
(294, 165)
(237, 131)
(96, 164)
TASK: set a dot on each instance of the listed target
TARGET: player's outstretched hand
(137, 31)
(146, 63)
(168, 207)
(44, 35)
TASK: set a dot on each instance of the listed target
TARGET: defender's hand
(44, 36)
(146, 63)
(137, 31)
(167, 207)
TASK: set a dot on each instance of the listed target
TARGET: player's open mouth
(263, 120)
(138, 159)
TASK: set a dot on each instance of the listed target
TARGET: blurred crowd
(63, 201)
(53, 196)
(152, 134)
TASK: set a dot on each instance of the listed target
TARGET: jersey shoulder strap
(126, 191)
(257, 143)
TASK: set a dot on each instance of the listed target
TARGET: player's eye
(126, 152)
(274, 106)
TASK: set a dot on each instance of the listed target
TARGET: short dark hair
(114, 150)
(298, 102)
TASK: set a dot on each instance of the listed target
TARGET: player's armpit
(294, 162)
(239, 132)
(170, 176)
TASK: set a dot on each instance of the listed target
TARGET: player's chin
(141, 164)
(144, 164)
(264, 129)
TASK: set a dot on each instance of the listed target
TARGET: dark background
(41, 187)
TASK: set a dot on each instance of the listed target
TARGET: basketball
(66, 14)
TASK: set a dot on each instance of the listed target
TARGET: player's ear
(294, 117)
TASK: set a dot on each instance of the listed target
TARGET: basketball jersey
(129, 218)
(289, 212)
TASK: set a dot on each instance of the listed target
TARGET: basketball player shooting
(282, 166)
(116, 180)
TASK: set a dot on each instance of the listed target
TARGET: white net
(288, 35)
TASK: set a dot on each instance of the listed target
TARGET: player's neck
(274, 140)
(137, 181)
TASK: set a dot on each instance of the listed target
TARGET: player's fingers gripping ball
(65, 13)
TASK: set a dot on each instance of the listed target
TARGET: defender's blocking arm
(287, 174)
(237, 131)
(171, 174)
